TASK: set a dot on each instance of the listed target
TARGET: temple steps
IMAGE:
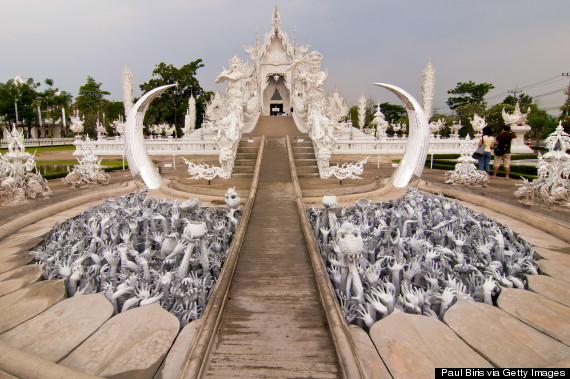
(273, 324)
(304, 156)
(246, 156)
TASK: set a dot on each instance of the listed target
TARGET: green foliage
(565, 113)
(90, 97)
(171, 106)
(25, 95)
(470, 93)
(524, 100)
(393, 113)
(464, 113)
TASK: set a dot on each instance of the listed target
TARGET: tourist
(503, 151)
(488, 140)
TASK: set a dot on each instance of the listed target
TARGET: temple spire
(294, 40)
(276, 18)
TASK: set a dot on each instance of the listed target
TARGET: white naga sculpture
(204, 171)
(348, 170)
(552, 186)
(89, 170)
(19, 177)
(465, 170)
(77, 123)
(190, 117)
(436, 126)
(361, 111)
(517, 121)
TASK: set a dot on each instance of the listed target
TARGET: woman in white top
(488, 140)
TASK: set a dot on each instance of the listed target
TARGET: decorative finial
(276, 18)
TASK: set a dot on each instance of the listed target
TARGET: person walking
(503, 151)
(488, 140)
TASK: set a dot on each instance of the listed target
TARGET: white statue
(204, 171)
(478, 123)
(119, 127)
(436, 126)
(517, 121)
(128, 93)
(380, 122)
(336, 108)
(89, 170)
(168, 130)
(348, 170)
(19, 177)
(77, 123)
(465, 170)
(455, 129)
(552, 186)
(428, 88)
(361, 111)
(100, 129)
(190, 117)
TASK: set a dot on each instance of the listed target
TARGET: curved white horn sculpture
(415, 155)
(135, 150)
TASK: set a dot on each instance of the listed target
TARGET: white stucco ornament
(465, 170)
(89, 170)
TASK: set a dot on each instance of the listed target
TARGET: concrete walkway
(273, 324)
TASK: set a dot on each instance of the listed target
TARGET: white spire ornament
(428, 88)
(128, 90)
(190, 118)
(361, 111)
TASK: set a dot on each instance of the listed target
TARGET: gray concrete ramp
(273, 324)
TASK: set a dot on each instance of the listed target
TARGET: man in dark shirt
(504, 140)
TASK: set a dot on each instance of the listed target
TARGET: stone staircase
(304, 156)
(246, 157)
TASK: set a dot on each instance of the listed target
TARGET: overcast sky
(508, 43)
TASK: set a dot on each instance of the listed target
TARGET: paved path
(273, 324)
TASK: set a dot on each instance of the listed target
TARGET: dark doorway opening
(276, 109)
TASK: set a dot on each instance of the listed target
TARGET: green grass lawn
(41, 149)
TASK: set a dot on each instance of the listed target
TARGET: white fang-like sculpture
(415, 155)
(135, 151)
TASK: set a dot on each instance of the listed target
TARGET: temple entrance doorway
(276, 109)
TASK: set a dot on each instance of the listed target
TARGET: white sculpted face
(232, 198)
(350, 241)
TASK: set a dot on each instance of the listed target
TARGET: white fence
(155, 146)
(394, 145)
(37, 142)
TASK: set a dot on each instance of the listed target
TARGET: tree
(565, 112)
(394, 113)
(471, 93)
(22, 91)
(524, 100)
(90, 97)
(52, 99)
(171, 105)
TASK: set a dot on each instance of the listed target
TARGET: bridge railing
(37, 142)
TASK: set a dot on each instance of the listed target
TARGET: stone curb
(35, 216)
(556, 228)
(30, 366)
(349, 364)
(195, 361)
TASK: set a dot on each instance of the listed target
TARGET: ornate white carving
(478, 123)
(100, 129)
(19, 177)
(77, 123)
(118, 127)
(552, 185)
(428, 88)
(465, 170)
(455, 129)
(89, 170)
(361, 111)
(336, 108)
(348, 170)
(190, 117)
(435, 126)
(380, 122)
(204, 171)
(517, 122)
(128, 92)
